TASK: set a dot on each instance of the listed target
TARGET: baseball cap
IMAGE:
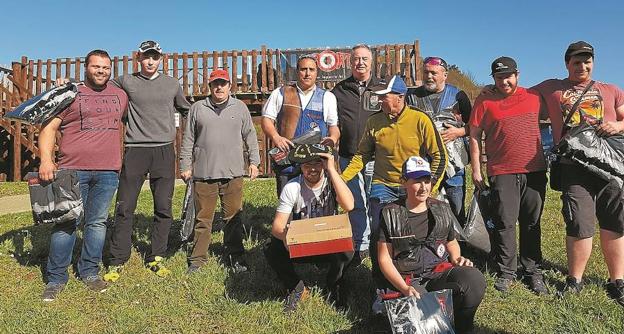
(416, 167)
(392, 84)
(219, 74)
(504, 65)
(149, 46)
(308, 152)
(578, 48)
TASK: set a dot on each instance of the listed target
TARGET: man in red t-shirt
(90, 129)
(516, 172)
(585, 196)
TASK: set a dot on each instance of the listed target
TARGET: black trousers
(468, 286)
(281, 177)
(517, 197)
(159, 162)
(279, 259)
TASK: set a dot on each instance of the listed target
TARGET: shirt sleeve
(364, 154)
(477, 114)
(435, 149)
(188, 141)
(330, 109)
(384, 235)
(273, 105)
(288, 197)
(248, 132)
(182, 105)
(464, 106)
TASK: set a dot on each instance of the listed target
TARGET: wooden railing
(255, 73)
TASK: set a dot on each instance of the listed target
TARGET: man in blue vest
(294, 110)
(434, 97)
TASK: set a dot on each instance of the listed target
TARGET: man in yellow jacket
(390, 138)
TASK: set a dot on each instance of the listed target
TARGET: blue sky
(469, 34)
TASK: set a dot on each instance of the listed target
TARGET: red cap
(219, 74)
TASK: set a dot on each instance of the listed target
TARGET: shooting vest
(293, 120)
(413, 256)
(324, 205)
(447, 99)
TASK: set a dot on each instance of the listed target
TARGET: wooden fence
(254, 73)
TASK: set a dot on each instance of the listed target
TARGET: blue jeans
(97, 189)
(359, 216)
(456, 194)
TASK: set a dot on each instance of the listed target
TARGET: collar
(309, 91)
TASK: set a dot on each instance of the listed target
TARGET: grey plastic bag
(188, 212)
(45, 106)
(58, 201)
(476, 232)
(432, 313)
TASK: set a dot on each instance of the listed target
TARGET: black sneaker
(502, 284)
(51, 291)
(297, 294)
(572, 285)
(359, 257)
(615, 290)
(95, 283)
(536, 284)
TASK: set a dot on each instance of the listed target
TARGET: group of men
(379, 153)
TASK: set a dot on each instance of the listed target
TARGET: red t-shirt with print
(511, 125)
(90, 129)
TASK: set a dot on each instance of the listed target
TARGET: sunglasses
(435, 61)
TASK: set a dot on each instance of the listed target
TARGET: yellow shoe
(113, 274)
(158, 268)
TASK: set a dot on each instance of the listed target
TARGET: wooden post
(278, 66)
(135, 61)
(254, 71)
(408, 65)
(245, 82)
(397, 59)
(417, 64)
(388, 61)
(195, 74)
(115, 67)
(31, 79)
(215, 60)
(270, 70)
(38, 77)
(224, 61)
(185, 70)
(174, 59)
(165, 64)
(77, 69)
(234, 77)
(205, 73)
(48, 74)
(263, 70)
(67, 68)
(125, 65)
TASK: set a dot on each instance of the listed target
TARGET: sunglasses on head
(435, 61)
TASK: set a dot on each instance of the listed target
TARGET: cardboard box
(319, 236)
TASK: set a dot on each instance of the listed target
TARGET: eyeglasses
(435, 61)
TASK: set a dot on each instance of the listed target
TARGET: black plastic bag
(58, 201)
(432, 313)
(39, 109)
(476, 232)
(602, 156)
(188, 212)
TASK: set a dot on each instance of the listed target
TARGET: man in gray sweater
(217, 170)
(154, 99)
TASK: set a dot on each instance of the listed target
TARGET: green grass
(13, 188)
(215, 301)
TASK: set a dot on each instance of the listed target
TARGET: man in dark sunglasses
(435, 97)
